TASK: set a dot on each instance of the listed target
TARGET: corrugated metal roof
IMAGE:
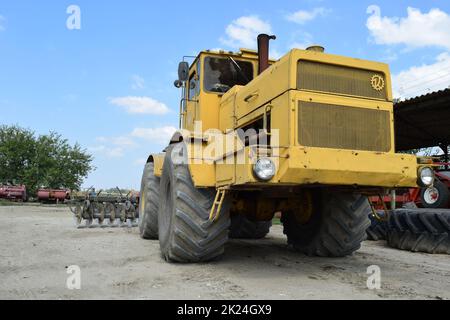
(427, 96)
(423, 121)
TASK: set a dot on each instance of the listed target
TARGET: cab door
(192, 98)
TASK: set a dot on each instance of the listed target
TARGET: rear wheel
(244, 228)
(437, 196)
(378, 229)
(185, 232)
(420, 230)
(149, 203)
(336, 225)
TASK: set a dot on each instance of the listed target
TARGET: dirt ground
(38, 243)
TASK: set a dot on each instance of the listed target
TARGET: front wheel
(336, 225)
(185, 232)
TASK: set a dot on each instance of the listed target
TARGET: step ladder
(217, 205)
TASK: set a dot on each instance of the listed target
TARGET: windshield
(221, 74)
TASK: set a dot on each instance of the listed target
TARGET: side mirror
(183, 71)
(178, 84)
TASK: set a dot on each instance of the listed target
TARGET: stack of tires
(417, 230)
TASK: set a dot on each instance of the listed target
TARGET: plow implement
(105, 210)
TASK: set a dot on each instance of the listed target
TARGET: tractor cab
(209, 77)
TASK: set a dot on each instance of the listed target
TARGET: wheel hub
(431, 195)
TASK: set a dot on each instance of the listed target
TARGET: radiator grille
(330, 78)
(341, 127)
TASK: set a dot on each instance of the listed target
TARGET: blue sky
(109, 85)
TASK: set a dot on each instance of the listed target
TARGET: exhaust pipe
(263, 51)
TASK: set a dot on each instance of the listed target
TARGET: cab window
(193, 86)
(221, 74)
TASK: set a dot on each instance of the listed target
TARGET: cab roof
(242, 53)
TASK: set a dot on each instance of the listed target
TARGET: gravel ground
(39, 243)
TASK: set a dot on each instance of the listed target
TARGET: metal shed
(423, 121)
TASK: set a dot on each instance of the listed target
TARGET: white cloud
(416, 30)
(115, 152)
(117, 147)
(114, 147)
(423, 79)
(123, 141)
(243, 31)
(304, 16)
(138, 82)
(107, 151)
(305, 42)
(140, 105)
(158, 135)
(2, 21)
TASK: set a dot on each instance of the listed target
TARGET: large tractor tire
(244, 228)
(378, 228)
(435, 197)
(336, 227)
(149, 203)
(185, 232)
(420, 230)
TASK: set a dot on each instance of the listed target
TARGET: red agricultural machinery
(435, 197)
(53, 195)
(420, 218)
(13, 192)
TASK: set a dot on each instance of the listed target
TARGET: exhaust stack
(263, 51)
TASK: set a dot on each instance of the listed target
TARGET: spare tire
(420, 230)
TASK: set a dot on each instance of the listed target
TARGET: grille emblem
(377, 82)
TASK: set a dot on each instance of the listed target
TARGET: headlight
(426, 177)
(264, 169)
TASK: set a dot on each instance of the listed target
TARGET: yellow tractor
(310, 135)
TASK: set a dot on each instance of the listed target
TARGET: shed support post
(393, 199)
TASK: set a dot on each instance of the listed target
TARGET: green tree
(45, 160)
(17, 149)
